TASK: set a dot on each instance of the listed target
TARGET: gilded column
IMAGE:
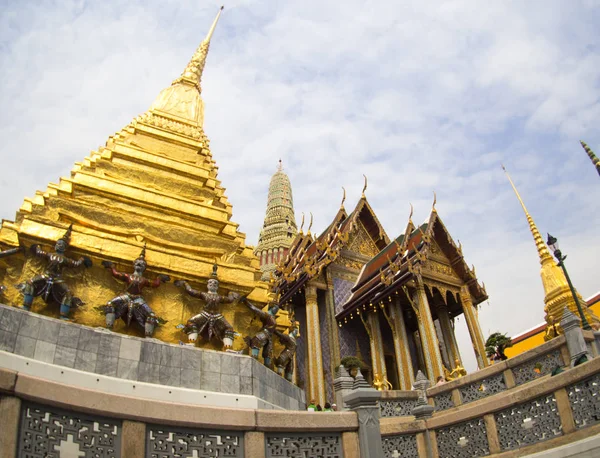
(376, 342)
(449, 337)
(401, 348)
(316, 385)
(474, 328)
(429, 342)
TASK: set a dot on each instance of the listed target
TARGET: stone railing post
(342, 385)
(597, 341)
(574, 336)
(363, 400)
(422, 410)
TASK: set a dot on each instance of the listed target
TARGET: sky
(418, 96)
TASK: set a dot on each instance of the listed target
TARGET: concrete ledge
(8, 379)
(267, 420)
(391, 426)
(526, 392)
(131, 408)
(500, 367)
(545, 448)
(393, 395)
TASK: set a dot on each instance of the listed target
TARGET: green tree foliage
(495, 346)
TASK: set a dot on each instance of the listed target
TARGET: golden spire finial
(310, 225)
(343, 198)
(411, 212)
(302, 224)
(592, 156)
(434, 202)
(280, 166)
(364, 187)
(194, 69)
(539, 241)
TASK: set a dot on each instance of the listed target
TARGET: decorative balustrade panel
(537, 367)
(401, 446)
(482, 388)
(174, 442)
(463, 440)
(443, 401)
(397, 407)
(304, 445)
(47, 432)
(584, 398)
(528, 423)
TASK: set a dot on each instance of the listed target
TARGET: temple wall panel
(301, 353)
(341, 292)
(325, 344)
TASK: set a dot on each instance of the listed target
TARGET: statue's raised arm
(210, 322)
(50, 284)
(131, 305)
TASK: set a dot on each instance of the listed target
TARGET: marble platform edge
(103, 352)
(113, 385)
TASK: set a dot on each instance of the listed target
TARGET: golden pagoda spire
(542, 249)
(557, 292)
(179, 107)
(592, 156)
(193, 72)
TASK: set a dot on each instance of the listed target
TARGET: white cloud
(418, 97)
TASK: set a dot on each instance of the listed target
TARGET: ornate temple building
(150, 199)
(391, 303)
(279, 228)
(155, 185)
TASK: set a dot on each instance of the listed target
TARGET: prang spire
(557, 294)
(542, 249)
(193, 72)
(592, 156)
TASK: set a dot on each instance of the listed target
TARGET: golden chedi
(557, 294)
(154, 183)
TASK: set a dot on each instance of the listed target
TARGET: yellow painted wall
(538, 339)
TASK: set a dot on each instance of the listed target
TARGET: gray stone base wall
(100, 351)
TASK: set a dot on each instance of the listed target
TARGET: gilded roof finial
(280, 166)
(539, 241)
(194, 69)
(302, 224)
(310, 225)
(364, 188)
(343, 198)
(411, 212)
(592, 156)
(433, 210)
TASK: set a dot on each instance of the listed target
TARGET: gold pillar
(473, 325)
(429, 342)
(316, 383)
(449, 337)
(401, 349)
(375, 341)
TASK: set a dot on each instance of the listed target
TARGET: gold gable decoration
(361, 242)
